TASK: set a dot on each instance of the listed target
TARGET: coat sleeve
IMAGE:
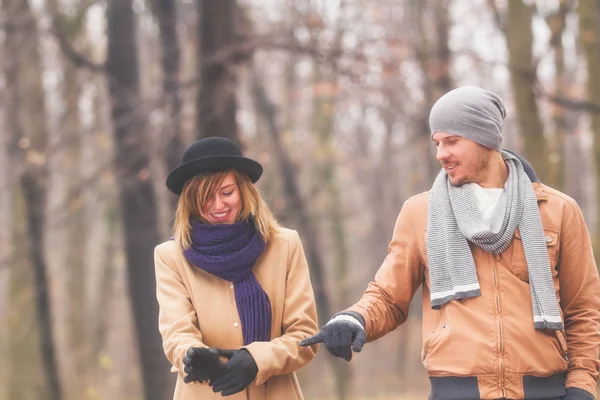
(384, 305)
(177, 320)
(283, 355)
(579, 300)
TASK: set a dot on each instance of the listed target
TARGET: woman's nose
(218, 202)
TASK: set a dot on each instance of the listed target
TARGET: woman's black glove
(341, 336)
(201, 364)
(237, 373)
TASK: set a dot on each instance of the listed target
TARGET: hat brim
(177, 178)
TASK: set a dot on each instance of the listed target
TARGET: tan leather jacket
(486, 347)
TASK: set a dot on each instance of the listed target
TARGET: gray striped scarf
(454, 218)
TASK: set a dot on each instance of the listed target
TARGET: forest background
(98, 99)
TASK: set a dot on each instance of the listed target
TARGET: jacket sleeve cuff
(261, 353)
(350, 315)
(578, 394)
(581, 381)
(353, 314)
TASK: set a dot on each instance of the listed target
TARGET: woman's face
(225, 206)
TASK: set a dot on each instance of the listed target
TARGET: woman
(233, 287)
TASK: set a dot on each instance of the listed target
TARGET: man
(511, 295)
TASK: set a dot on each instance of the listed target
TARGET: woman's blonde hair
(200, 189)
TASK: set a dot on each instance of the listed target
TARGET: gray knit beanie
(470, 112)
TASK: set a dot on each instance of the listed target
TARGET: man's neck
(497, 173)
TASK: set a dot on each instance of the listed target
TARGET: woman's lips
(220, 216)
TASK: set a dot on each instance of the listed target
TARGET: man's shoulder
(555, 207)
(555, 196)
(417, 202)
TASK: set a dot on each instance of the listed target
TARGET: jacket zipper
(497, 295)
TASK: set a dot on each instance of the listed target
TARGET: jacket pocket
(518, 263)
(562, 345)
(439, 327)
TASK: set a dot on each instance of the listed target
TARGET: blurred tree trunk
(295, 202)
(96, 195)
(166, 13)
(98, 332)
(109, 339)
(23, 325)
(296, 206)
(66, 225)
(324, 114)
(434, 57)
(324, 95)
(325, 92)
(7, 251)
(216, 102)
(102, 243)
(136, 194)
(77, 228)
(265, 109)
(385, 216)
(557, 23)
(589, 36)
(523, 74)
(27, 121)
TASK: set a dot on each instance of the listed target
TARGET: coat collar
(540, 193)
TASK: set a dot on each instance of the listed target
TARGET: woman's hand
(201, 364)
(237, 373)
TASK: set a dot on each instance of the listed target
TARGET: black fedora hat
(211, 154)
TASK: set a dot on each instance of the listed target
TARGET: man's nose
(441, 153)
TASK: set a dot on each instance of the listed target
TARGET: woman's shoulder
(167, 250)
(286, 235)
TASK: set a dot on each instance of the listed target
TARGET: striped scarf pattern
(454, 220)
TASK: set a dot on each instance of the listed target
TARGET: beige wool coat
(198, 309)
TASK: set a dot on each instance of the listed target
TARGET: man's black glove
(201, 364)
(578, 394)
(340, 336)
(237, 373)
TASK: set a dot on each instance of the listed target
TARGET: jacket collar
(540, 193)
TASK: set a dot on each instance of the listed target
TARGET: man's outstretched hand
(341, 337)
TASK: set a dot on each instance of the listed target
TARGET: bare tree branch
(496, 13)
(61, 36)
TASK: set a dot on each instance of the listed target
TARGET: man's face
(464, 160)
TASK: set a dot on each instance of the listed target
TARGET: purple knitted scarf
(229, 252)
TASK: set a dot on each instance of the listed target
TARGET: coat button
(230, 286)
(235, 324)
(548, 239)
